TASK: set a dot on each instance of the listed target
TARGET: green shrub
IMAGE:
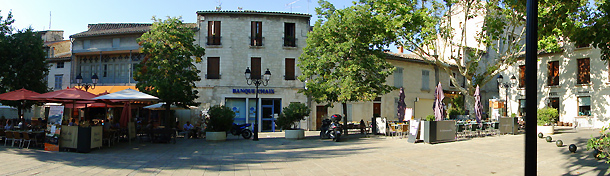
(430, 118)
(601, 143)
(455, 111)
(221, 118)
(547, 116)
(292, 114)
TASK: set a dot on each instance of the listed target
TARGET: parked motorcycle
(241, 130)
(331, 128)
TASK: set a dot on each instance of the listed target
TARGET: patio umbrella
(401, 105)
(65, 95)
(439, 107)
(478, 108)
(160, 106)
(125, 115)
(127, 95)
(19, 95)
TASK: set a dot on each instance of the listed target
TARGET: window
(255, 68)
(58, 80)
(105, 71)
(256, 39)
(116, 42)
(60, 64)
(522, 107)
(425, 80)
(451, 82)
(553, 77)
(521, 76)
(86, 44)
(289, 69)
(213, 68)
(398, 77)
(213, 33)
(554, 103)
(583, 71)
(584, 106)
(289, 35)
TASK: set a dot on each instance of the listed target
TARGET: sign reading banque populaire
(252, 91)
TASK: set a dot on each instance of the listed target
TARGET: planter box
(294, 134)
(438, 131)
(508, 125)
(546, 130)
(216, 136)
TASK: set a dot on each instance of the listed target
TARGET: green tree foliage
(547, 116)
(168, 71)
(221, 118)
(594, 28)
(292, 114)
(478, 38)
(344, 61)
(22, 62)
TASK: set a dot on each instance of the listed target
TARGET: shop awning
(109, 89)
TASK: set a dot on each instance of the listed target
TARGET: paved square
(274, 155)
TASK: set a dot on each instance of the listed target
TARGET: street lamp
(257, 82)
(86, 86)
(506, 85)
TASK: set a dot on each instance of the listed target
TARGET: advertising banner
(56, 114)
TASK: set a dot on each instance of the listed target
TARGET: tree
(344, 62)
(22, 62)
(478, 38)
(594, 28)
(292, 114)
(168, 71)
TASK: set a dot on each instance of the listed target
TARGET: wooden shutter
(521, 76)
(256, 68)
(217, 32)
(289, 69)
(583, 71)
(213, 68)
(253, 33)
(553, 74)
(210, 31)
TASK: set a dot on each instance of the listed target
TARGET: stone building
(58, 58)
(261, 41)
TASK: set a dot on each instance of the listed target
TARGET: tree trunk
(469, 103)
(344, 118)
(169, 121)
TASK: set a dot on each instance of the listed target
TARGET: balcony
(213, 40)
(256, 41)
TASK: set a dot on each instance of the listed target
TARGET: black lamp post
(506, 85)
(257, 82)
(86, 86)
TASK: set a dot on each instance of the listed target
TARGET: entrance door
(270, 107)
(376, 109)
(321, 112)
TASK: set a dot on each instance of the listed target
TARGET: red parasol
(126, 115)
(18, 95)
(65, 94)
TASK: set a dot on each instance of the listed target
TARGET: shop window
(256, 39)
(289, 35)
(255, 66)
(584, 106)
(521, 76)
(553, 77)
(583, 76)
(213, 33)
(289, 69)
(213, 71)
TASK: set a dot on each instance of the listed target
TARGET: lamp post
(506, 85)
(257, 82)
(86, 86)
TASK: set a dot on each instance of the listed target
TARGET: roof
(408, 57)
(102, 29)
(252, 12)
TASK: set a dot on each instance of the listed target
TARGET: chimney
(400, 49)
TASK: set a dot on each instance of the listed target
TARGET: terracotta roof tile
(252, 12)
(102, 29)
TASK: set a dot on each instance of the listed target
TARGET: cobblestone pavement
(273, 155)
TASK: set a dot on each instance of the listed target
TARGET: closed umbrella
(439, 107)
(125, 115)
(401, 105)
(478, 108)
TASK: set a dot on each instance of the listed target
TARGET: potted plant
(546, 118)
(221, 121)
(289, 117)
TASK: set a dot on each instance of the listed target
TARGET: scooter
(241, 130)
(331, 129)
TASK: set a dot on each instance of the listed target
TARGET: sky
(73, 16)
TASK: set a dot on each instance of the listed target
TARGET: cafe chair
(9, 137)
(26, 138)
(17, 138)
(2, 135)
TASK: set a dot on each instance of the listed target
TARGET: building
(58, 58)
(236, 40)
(575, 81)
(415, 75)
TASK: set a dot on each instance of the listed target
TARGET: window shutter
(256, 68)
(213, 68)
(289, 69)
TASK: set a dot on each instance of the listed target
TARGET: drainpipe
(130, 69)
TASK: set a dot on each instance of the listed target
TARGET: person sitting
(188, 128)
(9, 125)
(72, 122)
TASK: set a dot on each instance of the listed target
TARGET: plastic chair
(17, 138)
(9, 137)
(26, 138)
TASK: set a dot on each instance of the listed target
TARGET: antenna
(240, 8)
(290, 4)
(308, 2)
(219, 7)
(49, 20)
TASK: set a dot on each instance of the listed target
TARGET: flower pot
(294, 134)
(546, 130)
(559, 123)
(216, 136)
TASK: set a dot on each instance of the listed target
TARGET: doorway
(270, 109)
(321, 112)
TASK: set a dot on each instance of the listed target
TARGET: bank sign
(252, 91)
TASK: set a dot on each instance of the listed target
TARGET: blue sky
(72, 16)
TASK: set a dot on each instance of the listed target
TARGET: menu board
(56, 114)
(413, 131)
